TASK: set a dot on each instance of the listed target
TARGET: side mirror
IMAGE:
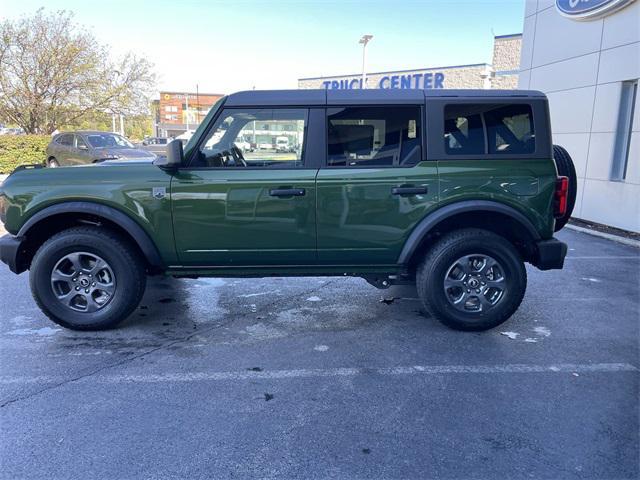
(174, 158)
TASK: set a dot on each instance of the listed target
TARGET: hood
(124, 161)
(124, 153)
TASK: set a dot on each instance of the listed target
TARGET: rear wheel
(87, 278)
(565, 167)
(472, 280)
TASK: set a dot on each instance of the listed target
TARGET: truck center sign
(414, 80)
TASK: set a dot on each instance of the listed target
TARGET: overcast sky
(225, 46)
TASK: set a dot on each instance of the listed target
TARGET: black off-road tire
(431, 273)
(566, 168)
(120, 255)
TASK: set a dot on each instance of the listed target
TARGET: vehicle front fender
(133, 229)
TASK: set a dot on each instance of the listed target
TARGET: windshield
(108, 140)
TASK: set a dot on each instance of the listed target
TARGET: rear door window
(478, 129)
(66, 140)
(373, 136)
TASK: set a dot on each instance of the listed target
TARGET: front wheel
(472, 279)
(87, 278)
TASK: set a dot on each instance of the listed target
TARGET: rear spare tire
(565, 167)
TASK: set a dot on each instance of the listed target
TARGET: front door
(375, 186)
(81, 153)
(235, 205)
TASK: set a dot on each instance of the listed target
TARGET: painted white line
(183, 377)
(608, 236)
(604, 257)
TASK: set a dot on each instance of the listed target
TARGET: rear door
(64, 147)
(375, 185)
(235, 208)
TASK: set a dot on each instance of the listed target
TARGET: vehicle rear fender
(430, 223)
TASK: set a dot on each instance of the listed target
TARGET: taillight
(561, 196)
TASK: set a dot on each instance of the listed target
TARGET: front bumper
(10, 249)
(550, 254)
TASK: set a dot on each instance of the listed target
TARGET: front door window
(256, 138)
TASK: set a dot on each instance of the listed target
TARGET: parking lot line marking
(334, 372)
(603, 257)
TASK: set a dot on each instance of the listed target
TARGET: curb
(608, 236)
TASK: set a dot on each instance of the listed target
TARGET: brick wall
(506, 53)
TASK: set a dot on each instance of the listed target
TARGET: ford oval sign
(589, 9)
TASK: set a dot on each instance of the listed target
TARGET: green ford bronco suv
(452, 190)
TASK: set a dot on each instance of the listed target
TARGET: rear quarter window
(477, 129)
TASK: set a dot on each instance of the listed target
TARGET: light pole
(363, 41)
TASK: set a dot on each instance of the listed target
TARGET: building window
(624, 128)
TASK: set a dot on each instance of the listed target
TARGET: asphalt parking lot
(317, 378)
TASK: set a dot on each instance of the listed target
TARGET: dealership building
(177, 112)
(501, 73)
(585, 55)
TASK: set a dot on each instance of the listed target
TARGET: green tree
(53, 72)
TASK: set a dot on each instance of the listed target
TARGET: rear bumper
(10, 248)
(550, 254)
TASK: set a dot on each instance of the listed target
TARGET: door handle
(287, 192)
(408, 190)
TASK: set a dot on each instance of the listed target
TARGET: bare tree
(53, 72)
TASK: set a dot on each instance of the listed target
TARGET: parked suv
(76, 148)
(452, 190)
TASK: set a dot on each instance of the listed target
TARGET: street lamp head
(365, 39)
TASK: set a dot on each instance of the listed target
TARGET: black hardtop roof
(357, 96)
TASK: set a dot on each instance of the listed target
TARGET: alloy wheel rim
(83, 282)
(475, 283)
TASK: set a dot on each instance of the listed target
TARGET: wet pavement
(319, 378)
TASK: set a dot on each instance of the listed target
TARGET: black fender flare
(426, 224)
(142, 239)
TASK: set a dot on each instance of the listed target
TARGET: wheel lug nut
(93, 284)
(478, 291)
(86, 291)
(77, 288)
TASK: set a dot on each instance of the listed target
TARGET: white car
(243, 145)
(282, 144)
(265, 146)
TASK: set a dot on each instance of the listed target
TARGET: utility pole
(363, 41)
(122, 125)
